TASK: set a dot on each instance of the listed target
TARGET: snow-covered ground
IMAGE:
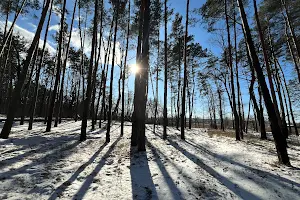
(39, 165)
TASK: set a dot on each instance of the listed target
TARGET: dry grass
(220, 133)
(230, 133)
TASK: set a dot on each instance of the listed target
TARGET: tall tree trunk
(77, 98)
(27, 87)
(16, 95)
(247, 122)
(109, 118)
(58, 63)
(192, 101)
(89, 89)
(94, 114)
(266, 61)
(179, 86)
(124, 72)
(10, 82)
(290, 25)
(116, 109)
(237, 73)
(7, 36)
(105, 67)
(165, 74)
(279, 93)
(8, 8)
(283, 121)
(60, 99)
(263, 133)
(82, 45)
(142, 95)
(48, 101)
(258, 110)
(185, 72)
(134, 133)
(284, 95)
(289, 100)
(292, 53)
(37, 76)
(280, 140)
(156, 79)
(220, 107)
(189, 104)
(2, 71)
(235, 113)
(41, 108)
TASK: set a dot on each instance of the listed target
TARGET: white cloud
(32, 25)
(27, 35)
(75, 42)
(54, 28)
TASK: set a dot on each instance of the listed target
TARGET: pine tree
(16, 95)
(184, 72)
(58, 69)
(280, 141)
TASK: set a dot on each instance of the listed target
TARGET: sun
(134, 68)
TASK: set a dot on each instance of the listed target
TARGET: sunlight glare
(134, 68)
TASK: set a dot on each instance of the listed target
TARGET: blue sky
(26, 25)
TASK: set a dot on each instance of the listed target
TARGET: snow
(39, 165)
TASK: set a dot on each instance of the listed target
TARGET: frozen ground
(39, 165)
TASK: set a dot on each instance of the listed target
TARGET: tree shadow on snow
(40, 142)
(175, 192)
(242, 193)
(60, 189)
(36, 144)
(200, 190)
(141, 179)
(269, 178)
(90, 178)
(52, 151)
(247, 172)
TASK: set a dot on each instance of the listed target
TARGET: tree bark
(27, 87)
(290, 25)
(60, 99)
(165, 74)
(89, 89)
(7, 36)
(124, 72)
(237, 74)
(37, 76)
(292, 53)
(220, 106)
(182, 135)
(94, 114)
(16, 95)
(109, 118)
(57, 78)
(235, 113)
(134, 133)
(266, 61)
(142, 97)
(179, 86)
(280, 140)
(289, 100)
(156, 84)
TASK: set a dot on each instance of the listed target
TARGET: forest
(149, 99)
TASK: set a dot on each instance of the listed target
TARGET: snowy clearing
(55, 165)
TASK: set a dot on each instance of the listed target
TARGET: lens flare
(134, 68)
